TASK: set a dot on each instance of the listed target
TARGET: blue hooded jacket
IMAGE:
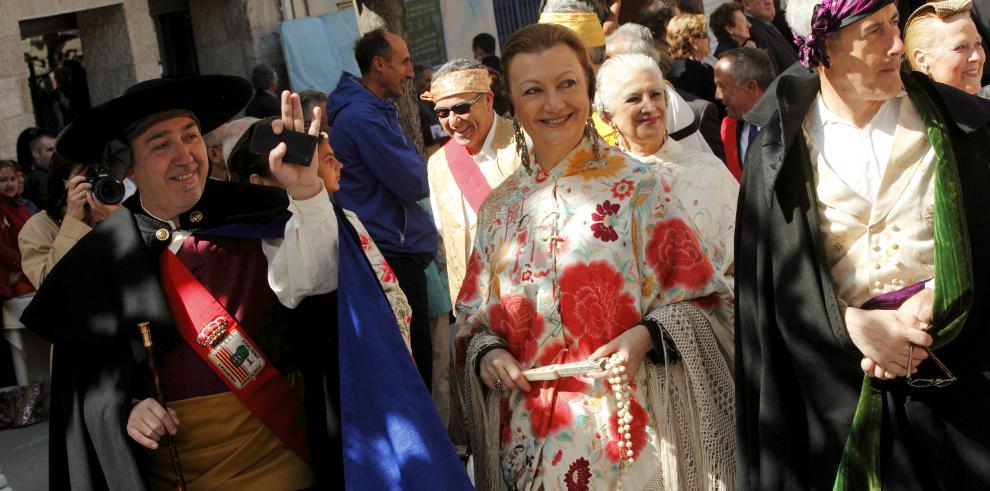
(383, 176)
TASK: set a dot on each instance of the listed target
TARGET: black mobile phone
(300, 145)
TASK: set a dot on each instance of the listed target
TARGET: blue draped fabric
(319, 49)
(271, 230)
(392, 435)
(393, 438)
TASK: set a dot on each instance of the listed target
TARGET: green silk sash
(859, 468)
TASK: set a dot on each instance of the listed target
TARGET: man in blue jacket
(384, 176)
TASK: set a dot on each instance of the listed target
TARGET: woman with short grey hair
(632, 99)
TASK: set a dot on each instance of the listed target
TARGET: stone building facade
(122, 45)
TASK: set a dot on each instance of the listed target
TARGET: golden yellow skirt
(223, 447)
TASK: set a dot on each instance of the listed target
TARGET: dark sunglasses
(929, 382)
(461, 108)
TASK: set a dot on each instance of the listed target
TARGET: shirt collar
(487, 152)
(821, 116)
(152, 215)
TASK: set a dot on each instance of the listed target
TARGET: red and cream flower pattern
(516, 321)
(622, 189)
(595, 307)
(637, 430)
(549, 403)
(578, 475)
(603, 227)
(388, 276)
(469, 288)
(675, 255)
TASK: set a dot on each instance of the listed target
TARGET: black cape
(89, 305)
(797, 371)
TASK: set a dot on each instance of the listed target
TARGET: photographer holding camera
(73, 209)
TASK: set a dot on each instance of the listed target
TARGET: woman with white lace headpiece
(631, 98)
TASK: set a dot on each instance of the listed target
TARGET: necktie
(751, 131)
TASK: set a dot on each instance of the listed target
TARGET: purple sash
(893, 300)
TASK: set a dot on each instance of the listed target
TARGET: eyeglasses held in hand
(929, 382)
(461, 108)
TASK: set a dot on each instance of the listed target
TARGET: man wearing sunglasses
(480, 154)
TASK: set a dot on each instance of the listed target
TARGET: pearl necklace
(617, 377)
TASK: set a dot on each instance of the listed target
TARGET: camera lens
(108, 190)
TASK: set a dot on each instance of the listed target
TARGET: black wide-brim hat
(214, 99)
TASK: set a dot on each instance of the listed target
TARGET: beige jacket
(43, 243)
(457, 222)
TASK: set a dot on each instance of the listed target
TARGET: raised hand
(302, 182)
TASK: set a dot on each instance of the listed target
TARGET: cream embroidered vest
(873, 248)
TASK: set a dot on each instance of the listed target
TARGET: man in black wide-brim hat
(240, 286)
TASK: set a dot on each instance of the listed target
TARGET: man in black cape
(861, 272)
(240, 287)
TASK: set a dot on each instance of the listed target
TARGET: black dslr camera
(106, 188)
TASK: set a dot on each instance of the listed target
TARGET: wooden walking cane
(145, 328)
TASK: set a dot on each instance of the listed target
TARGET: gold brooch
(162, 234)
(196, 217)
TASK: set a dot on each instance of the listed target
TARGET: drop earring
(521, 147)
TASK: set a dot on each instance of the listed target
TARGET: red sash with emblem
(218, 339)
(467, 174)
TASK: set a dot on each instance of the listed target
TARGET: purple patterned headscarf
(830, 16)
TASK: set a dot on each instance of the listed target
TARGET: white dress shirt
(859, 155)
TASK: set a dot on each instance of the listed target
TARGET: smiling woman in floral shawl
(582, 254)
